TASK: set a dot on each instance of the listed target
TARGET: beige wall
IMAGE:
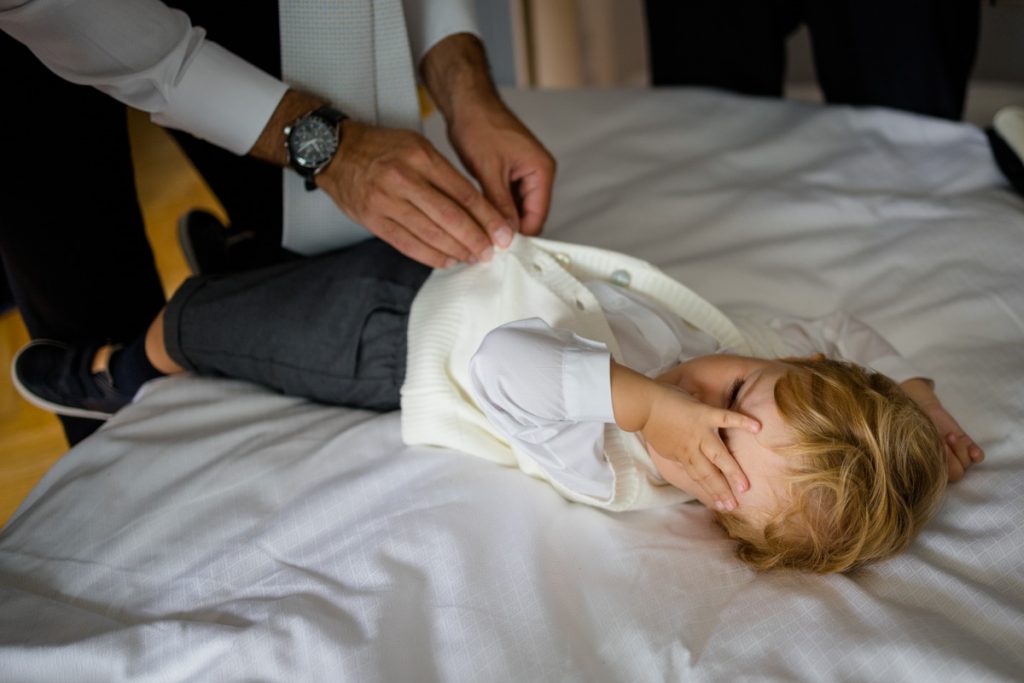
(572, 43)
(602, 43)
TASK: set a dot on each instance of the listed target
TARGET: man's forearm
(152, 58)
(456, 73)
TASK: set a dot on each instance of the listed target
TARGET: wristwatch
(311, 142)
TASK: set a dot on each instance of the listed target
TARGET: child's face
(745, 385)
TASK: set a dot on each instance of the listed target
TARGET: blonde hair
(868, 471)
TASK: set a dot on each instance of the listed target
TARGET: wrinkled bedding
(214, 530)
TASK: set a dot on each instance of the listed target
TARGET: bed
(215, 531)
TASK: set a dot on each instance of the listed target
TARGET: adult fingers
(485, 225)
(440, 209)
(428, 232)
(533, 190)
(409, 244)
(498, 190)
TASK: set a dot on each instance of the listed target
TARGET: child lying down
(603, 376)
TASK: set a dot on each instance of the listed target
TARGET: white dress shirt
(151, 57)
(549, 391)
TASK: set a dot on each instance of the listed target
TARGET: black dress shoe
(211, 249)
(58, 377)
(203, 241)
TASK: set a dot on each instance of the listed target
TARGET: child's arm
(961, 451)
(549, 392)
(681, 428)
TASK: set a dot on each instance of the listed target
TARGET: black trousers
(914, 55)
(330, 327)
(71, 232)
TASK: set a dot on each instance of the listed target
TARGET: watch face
(312, 142)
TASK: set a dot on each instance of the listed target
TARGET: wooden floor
(31, 440)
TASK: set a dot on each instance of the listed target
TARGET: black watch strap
(329, 114)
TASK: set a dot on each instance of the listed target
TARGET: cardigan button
(563, 259)
(622, 278)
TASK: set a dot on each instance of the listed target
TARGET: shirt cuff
(223, 99)
(428, 23)
(587, 382)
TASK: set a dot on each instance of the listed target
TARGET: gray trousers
(331, 328)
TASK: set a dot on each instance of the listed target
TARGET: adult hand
(514, 169)
(399, 186)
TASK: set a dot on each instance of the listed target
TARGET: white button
(622, 278)
(563, 259)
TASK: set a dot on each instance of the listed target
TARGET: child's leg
(156, 350)
(331, 328)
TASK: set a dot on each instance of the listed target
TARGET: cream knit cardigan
(540, 278)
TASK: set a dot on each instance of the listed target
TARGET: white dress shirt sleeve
(841, 336)
(150, 57)
(548, 392)
(430, 21)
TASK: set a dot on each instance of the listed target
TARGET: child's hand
(961, 451)
(681, 428)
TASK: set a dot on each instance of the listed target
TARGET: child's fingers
(972, 449)
(960, 444)
(720, 456)
(961, 453)
(954, 467)
(709, 476)
(726, 419)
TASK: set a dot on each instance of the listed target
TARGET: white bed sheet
(216, 531)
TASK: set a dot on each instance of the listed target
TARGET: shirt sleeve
(431, 21)
(150, 57)
(841, 336)
(548, 392)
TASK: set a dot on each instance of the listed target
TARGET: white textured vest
(534, 277)
(355, 54)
